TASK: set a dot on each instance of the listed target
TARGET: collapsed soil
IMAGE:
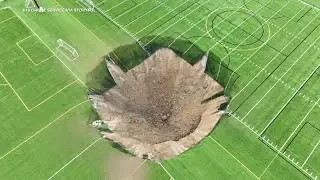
(159, 102)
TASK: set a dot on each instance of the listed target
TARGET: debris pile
(160, 108)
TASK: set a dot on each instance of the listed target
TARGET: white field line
(165, 170)
(161, 17)
(4, 8)
(49, 48)
(310, 5)
(124, 29)
(151, 10)
(80, 4)
(74, 158)
(108, 47)
(7, 19)
(26, 54)
(176, 22)
(283, 107)
(275, 57)
(131, 9)
(315, 147)
(287, 32)
(25, 38)
(234, 157)
(35, 64)
(251, 128)
(116, 5)
(98, 4)
(205, 17)
(135, 170)
(292, 161)
(281, 77)
(220, 41)
(303, 119)
(248, 37)
(32, 136)
(265, 170)
(28, 109)
(53, 95)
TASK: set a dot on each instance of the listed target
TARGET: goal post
(31, 4)
(67, 50)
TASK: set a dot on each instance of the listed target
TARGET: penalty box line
(48, 47)
(32, 136)
(35, 64)
(30, 109)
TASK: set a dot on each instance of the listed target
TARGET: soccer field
(265, 53)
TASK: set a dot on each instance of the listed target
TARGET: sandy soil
(156, 108)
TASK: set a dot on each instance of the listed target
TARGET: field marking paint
(280, 79)
(35, 64)
(286, 31)
(303, 119)
(310, 5)
(161, 17)
(207, 32)
(30, 109)
(98, 4)
(53, 95)
(7, 19)
(265, 170)
(171, 177)
(121, 27)
(298, 89)
(43, 128)
(234, 157)
(130, 9)
(74, 158)
(115, 5)
(108, 47)
(315, 147)
(175, 23)
(48, 47)
(205, 17)
(247, 38)
(14, 92)
(151, 10)
(262, 69)
(250, 127)
(80, 4)
(135, 170)
(285, 84)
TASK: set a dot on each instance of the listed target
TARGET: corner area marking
(234, 157)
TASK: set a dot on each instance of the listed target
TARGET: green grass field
(265, 53)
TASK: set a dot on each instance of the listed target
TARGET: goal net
(67, 50)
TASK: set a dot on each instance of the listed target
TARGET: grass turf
(244, 156)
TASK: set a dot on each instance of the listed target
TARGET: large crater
(160, 108)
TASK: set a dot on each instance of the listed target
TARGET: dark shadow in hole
(131, 55)
(128, 56)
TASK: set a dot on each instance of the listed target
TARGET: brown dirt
(124, 167)
(156, 108)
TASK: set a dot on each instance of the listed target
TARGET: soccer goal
(31, 4)
(67, 50)
(88, 3)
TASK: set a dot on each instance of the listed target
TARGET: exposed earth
(160, 108)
